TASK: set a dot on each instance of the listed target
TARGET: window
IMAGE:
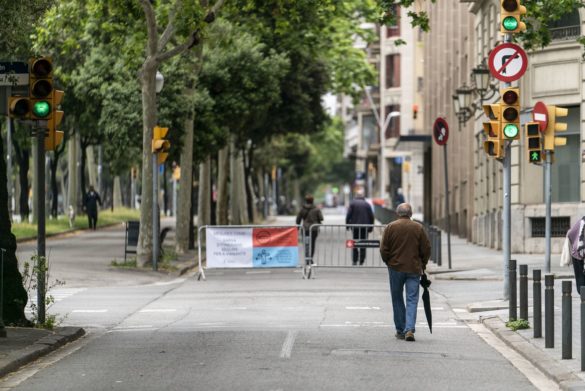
(567, 27)
(559, 226)
(394, 30)
(565, 171)
(393, 129)
(392, 70)
(369, 133)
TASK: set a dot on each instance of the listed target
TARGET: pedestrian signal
(534, 142)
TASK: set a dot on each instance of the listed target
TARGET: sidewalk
(483, 267)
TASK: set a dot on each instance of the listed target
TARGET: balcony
(565, 33)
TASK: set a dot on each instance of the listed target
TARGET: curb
(42, 347)
(565, 378)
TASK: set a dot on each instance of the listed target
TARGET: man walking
(405, 249)
(309, 215)
(92, 198)
(359, 212)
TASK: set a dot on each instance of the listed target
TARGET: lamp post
(160, 80)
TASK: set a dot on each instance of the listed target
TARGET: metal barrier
(346, 245)
(201, 269)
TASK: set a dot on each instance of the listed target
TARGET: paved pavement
(473, 288)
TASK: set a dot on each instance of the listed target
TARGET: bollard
(537, 303)
(512, 310)
(523, 292)
(2, 328)
(567, 329)
(439, 249)
(432, 240)
(583, 328)
(549, 303)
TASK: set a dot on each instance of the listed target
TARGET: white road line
(175, 281)
(532, 373)
(432, 308)
(159, 310)
(288, 344)
(260, 272)
(143, 326)
(90, 311)
(363, 308)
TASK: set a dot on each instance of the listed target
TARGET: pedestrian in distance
(405, 249)
(90, 204)
(574, 251)
(309, 215)
(359, 213)
(399, 197)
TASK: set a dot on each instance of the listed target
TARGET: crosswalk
(58, 294)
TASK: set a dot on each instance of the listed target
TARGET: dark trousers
(579, 276)
(92, 218)
(359, 255)
(313, 239)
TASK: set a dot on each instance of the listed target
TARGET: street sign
(540, 115)
(13, 73)
(508, 62)
(440, 131)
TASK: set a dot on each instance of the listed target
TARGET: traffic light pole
(447, 204)
(40, 190)
(547, 203)
(155, 216)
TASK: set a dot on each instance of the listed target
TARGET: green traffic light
(534, 156)
(510, 131)
(510, 23)
(41, 109)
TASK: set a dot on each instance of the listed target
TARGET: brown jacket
(405, 246)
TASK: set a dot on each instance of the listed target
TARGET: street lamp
(160, 81)
(463, 102)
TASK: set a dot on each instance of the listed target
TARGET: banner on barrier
(252, 247)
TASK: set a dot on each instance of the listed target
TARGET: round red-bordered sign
(508, 62)
(540, 115)
(441, 131)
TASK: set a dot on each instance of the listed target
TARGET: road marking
(432, 308)
(532, 373)
(363, 308)
(143, 326)
(288, 344)
(159, 310)
(90, 311)
(460, 310)
(175, 281)
(260, 272)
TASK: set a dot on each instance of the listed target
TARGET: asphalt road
(250, 330)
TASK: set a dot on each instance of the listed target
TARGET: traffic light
(494, 143)
(533, 142)
(160, 146)
(19, 107)
(41, 88)
(55, 136)
(510, 110)
(550, 141)
(510, 13)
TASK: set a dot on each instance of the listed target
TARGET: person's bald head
(404, 210)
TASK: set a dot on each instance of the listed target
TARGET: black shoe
(399, 335)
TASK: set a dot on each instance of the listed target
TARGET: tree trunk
(223, 166)
(239, 210)
(82, 164)
(204, 204)
(185, 189)
(54, 161)
(15, 296)
(72, 195)
(23, 160)
(117, 201)
(92, 168)
(147, 78)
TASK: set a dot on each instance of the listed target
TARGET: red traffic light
(510, 5)
(510, 97)
(42, 67)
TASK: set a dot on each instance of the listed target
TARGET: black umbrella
(426, 297)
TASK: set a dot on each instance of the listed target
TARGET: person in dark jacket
(359, 212)
(309, 215)
(90, 202)
(405, 249)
